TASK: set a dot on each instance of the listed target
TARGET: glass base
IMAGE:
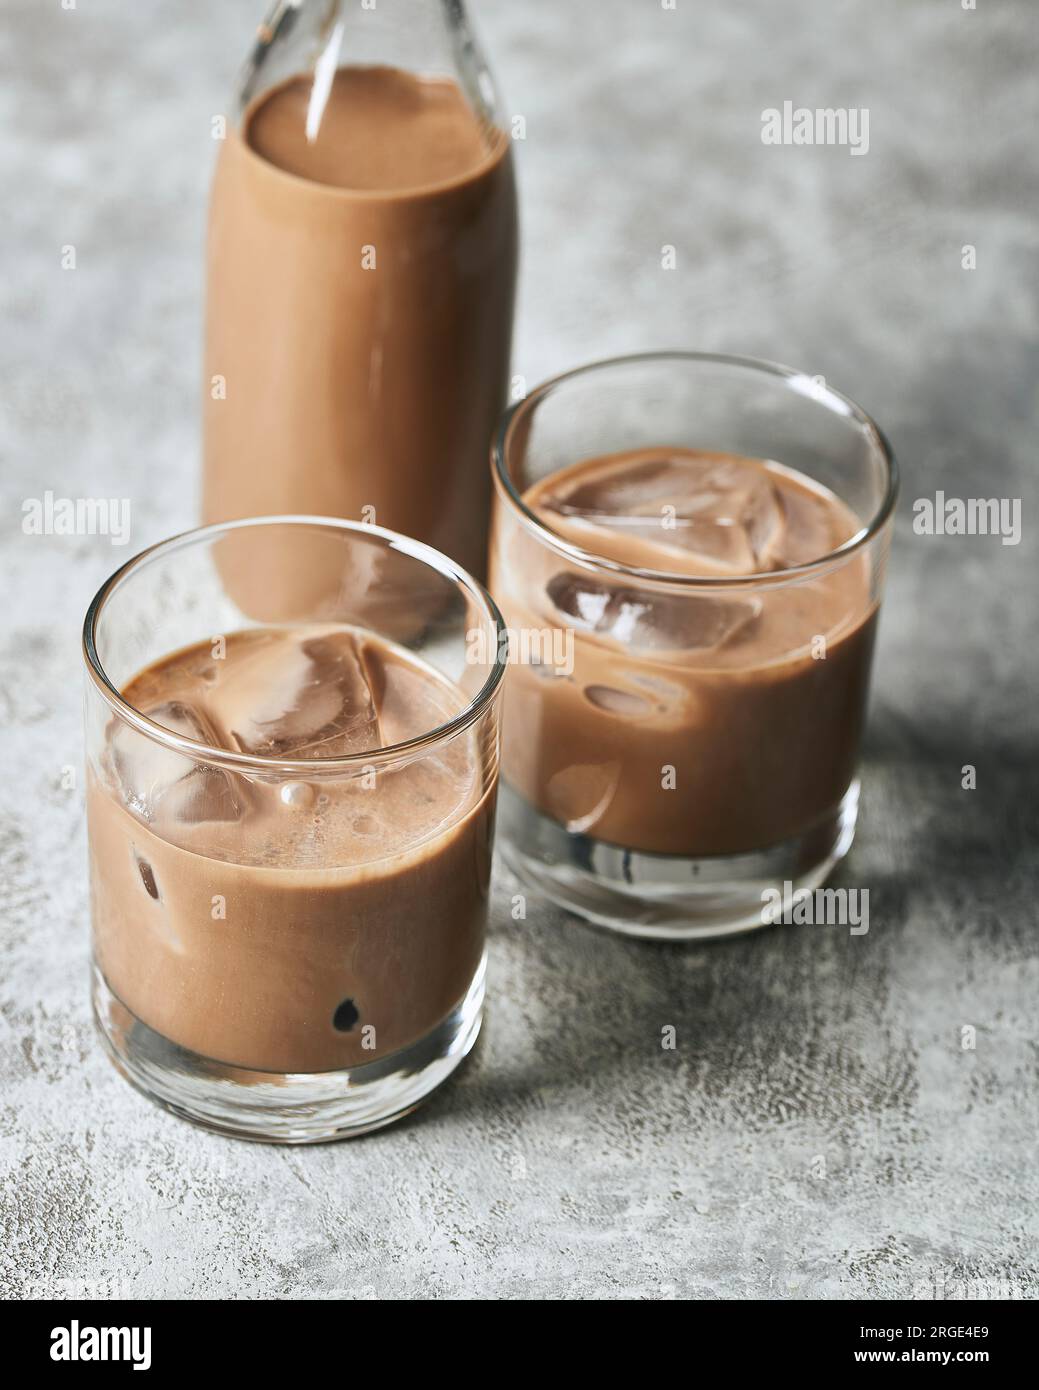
(665, 897)
(291, 1108)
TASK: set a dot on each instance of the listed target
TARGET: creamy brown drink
(361, 272)
(281, 925)
(694, 722)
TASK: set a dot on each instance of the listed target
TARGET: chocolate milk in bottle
(361, 270)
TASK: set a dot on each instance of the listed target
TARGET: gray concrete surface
(820, 1131)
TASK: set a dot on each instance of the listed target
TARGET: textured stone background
(819, 1131)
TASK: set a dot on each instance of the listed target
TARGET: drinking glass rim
(302, 768)
(754, 365)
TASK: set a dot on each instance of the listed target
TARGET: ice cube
(669, 698)
(581, 793)
(650, 621)
(205, 794)
(156, 781)
(309, 699)
(721, 511)
(144, 770)
(614, 701)
(184, 719)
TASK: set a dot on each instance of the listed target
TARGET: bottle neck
(425, 37)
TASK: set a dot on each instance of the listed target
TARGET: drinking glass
(288, 927)
(679, 746)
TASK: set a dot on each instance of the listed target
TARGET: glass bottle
(361, 274)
